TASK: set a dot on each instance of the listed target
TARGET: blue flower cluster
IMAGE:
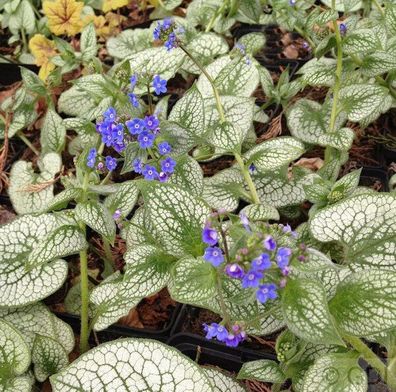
(167, 33)
(242, 49)
(253, 266)
(231, 338)
(144, 130)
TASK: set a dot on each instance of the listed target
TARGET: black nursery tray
(117, 331)
(372, 175)
(11, 73)
(209, 352)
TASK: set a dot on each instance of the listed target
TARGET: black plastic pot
(11, 73)
(389, 154)
(210, 352)
(371, 175)
(116, 331)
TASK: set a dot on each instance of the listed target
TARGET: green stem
(337, 85)
(84, 331)
(378, 6)
(372, 360)
(222, 303)
(215, 16)
(211, 81)
(22, 136)
(24, 40)
(248, 178)
(8, 60)
(108, 260)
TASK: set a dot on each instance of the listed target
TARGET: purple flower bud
(163, 177)
(285, 271)
(244, 251)
(100, 166)
(282, 283)
(292, 2)
(301, 258)
(269, 243)
(343, 28)
(117, 214)
(234, 271)
(245, 221)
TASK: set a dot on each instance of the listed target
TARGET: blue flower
(164, 148)
(117, 133)
(292, 2)
(159, 85)
(265, 292)
(111, 163)
(234, 271)
(146, 139)
(138, 165)
(252, 168)
(269, 243)
(151, 122)
(283, 257)
(150, 173)
(135, 126)
(119, 146)
(168, 165)
(133, 100)
(211, 330)
(241, 48)
(262, 262)
(221, 333)
(209, 236)
(91, 158)
(252, 279)
(163, 177)
(110, 114)
(214, 255)
(343, 28)
(171, 42)
(133, 79)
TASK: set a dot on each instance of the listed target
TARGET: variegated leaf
(157, 61)
(319, 72)
(193, 281)
(335, 372)
(17, 239)
(365, 302)
(221, 382)
(48, 357)
(262, 370)
(188, 175)
(146, 365)
(63, 198)
(177, 218)
(36, 319)
(97, 217)
(123, 199)
(365, 225)
(205, 47)
(307, 314)
(53, 132)
(309, 122)
(275, 153)
(261, 212)
(364, 102)
(253, 42)
(31, 192)
(227, 136)
(189, 112)
(361, 42)
(344, 5)
(14, 354)
(129, 42)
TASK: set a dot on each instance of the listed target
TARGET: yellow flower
(43, 50)
(108, 5)
(64, 16)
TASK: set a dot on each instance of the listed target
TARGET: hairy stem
(211, 81)
(248, 178)
(84, 331)
(373, 360)
(22, 136)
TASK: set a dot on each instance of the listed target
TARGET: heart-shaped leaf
(365, 225)
(146, 365)
(262, 370)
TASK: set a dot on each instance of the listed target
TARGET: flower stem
(211, 81)
(150, 100)
(84, 330)
(248, 178)
(337, 85)
(22, 136)
(372, 359)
